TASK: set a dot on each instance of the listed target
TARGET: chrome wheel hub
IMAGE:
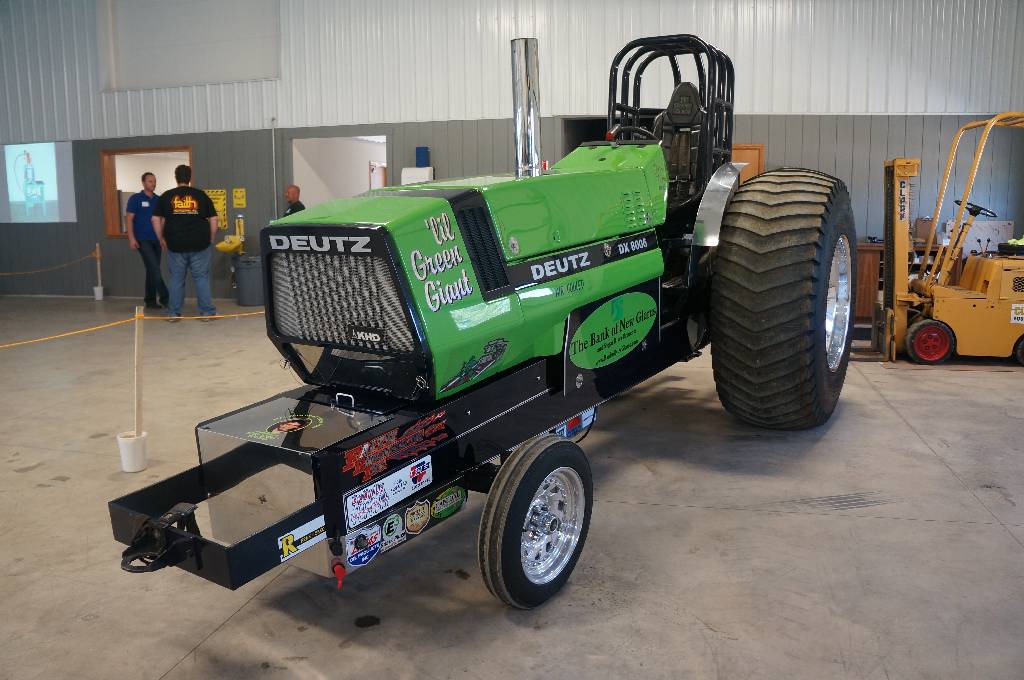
(552, 526)
(837, 304)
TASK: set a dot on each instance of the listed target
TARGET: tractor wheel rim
(837, 304)
(931, 344)
(552, 526)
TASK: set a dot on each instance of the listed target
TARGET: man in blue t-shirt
(141, 237)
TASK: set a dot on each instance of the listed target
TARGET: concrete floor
(887, 544)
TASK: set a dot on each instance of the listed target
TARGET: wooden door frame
(108, 180)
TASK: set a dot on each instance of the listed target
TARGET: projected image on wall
(38, 179)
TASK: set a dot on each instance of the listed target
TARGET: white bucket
(133, 451)
(97, 292)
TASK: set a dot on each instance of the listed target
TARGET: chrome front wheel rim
(837, 304)
(552, 526)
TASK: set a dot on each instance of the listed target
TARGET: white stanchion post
(133, 444)
(97, 290)
(137, 370)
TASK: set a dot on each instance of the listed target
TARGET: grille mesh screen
(1018, 284)
(482, 244)
(320, 297)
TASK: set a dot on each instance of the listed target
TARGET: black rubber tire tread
(1018, 350)
(770, 276)
(916, 328)
(495, 517)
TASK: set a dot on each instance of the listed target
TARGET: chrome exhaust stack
(526, 107)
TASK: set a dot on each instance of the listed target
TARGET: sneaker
(205, 318)
(174, 319)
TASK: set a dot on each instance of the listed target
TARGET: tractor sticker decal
(417, 517)
(363, 504)
(551, 267)
(577, 423)
(300, 538)
(613, 330)
(362, 547)
(371, 458)
(427, 268)
(293, 422)
(471, 369)
(448, 502)
(1017, 313)
(393, 532)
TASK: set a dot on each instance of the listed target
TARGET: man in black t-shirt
(185, 222)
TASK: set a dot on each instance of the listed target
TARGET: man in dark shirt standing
(138, 217)
(185, 222)
(291, 196)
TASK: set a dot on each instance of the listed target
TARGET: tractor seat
(679, 127)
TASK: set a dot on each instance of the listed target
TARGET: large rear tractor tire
(782, 299)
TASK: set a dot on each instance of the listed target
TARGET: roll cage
(628, 120)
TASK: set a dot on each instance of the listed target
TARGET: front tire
(782, 299)
(930, 342)
(535, 522)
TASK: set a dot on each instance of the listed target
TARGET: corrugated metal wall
(50, 85)
(346, 62)
(851, 147)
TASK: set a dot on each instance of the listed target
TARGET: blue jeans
(199, 264)
(155, 287)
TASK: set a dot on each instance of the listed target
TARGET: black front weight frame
(480, 427)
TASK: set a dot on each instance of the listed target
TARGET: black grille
(482, 244)
(338, 299)
(1018, 284)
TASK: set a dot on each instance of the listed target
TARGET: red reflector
(574, 423)
(609, 136)
(339, 573)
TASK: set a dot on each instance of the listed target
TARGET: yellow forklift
(927, 314)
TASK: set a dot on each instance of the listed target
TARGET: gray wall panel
(792, 154)
(827, 139)
(860, 176)
(932, 155)
(741, 130)
(876, 173)
(456, 160)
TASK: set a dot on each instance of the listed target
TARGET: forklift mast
(949, 251)
(900, 194)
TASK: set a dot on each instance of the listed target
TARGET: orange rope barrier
(50, 269)
(186, 318)
(121, 322)
(64, 335)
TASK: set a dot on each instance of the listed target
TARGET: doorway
(325, 168)
(121, 172)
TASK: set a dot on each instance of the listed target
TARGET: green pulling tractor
(456, 336)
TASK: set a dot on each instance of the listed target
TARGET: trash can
(249, 280)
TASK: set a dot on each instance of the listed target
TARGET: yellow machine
(928, 315)
(234, 244)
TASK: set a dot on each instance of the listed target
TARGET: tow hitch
(154, 547)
